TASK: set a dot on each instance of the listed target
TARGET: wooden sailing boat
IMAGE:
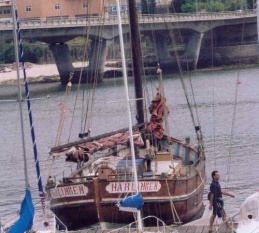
(170, 172)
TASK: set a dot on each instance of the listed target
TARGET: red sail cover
(157, 110)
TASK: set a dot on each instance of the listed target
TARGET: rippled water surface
(227, 106)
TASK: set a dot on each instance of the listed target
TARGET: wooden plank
(94, 231)
(197, 229)
(106, 231)
(205, 229)
(191, 229)
(182, 229)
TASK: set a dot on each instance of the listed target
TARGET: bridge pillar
(92, 73)
(61, 55)
(192, 51)
(97, 57)
(163, 53)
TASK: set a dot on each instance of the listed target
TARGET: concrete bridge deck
(56, 32)
(112, 20)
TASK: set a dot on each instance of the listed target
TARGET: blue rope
(40, 186)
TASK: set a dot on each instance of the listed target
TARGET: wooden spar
(85, 140)
(136, 59)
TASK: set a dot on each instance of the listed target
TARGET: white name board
(69, 191)
(124, 187)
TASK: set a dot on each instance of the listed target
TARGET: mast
(128, 110)
(20, 58)
(257, 14)
(136, 59)
(19, 95)
(25, 221)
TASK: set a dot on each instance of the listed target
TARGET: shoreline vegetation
(48, 73)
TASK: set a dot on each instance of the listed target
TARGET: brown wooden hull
(75, 216)
(99, 205)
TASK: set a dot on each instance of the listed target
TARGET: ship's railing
(160, 226)
(59, 223)
(232, 220)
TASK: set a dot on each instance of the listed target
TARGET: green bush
(33, 52)
(186, 6)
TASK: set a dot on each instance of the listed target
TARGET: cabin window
(85, 5)
(28, 8)
(57, 7)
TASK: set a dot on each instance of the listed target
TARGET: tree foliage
(33, 52)
(176, 6)
(232, 5)
(189, 6)
(38, 53)
(6, 53)
(250, 4)
(148, 6)
(185, 6)
(212, 6)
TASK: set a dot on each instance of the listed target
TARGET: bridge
(102, 30)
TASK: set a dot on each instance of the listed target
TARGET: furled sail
(157, 110)
(25, 221)
(132, 203)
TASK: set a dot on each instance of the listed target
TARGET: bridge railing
(181, 17)
(112, 20)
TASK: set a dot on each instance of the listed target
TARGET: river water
(227, 105)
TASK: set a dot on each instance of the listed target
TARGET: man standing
(216, 201)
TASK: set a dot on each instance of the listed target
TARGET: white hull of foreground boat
(249, 215)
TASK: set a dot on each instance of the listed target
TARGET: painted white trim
(126, 187)
(69, 191)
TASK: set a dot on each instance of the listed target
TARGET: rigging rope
(91, 100)
(63, 110)
(198, 130)
(234, 114)
(174, 212)
(35, 151)
(213, 98)
(80, 76)
(90, 97)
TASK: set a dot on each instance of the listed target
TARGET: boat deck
(180, 229)
(198, 226)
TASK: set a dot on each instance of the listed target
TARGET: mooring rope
(174, 211)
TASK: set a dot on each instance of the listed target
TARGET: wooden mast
(136, 59)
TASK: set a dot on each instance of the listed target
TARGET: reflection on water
(230, 130)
